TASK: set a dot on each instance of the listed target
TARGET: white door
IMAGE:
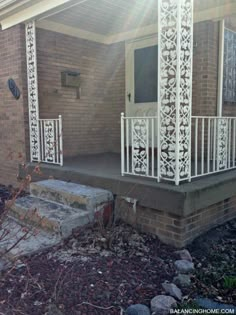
(141, 77)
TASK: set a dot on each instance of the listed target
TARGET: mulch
(214, 255)
(85, 270)
(103, 270)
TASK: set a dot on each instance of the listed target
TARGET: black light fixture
(13, 88)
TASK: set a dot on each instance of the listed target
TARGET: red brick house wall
(229, 109)
(13, 113)
(91, 123)
(205, 68)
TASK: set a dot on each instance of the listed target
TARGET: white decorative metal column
(175, 37)
(32, 91)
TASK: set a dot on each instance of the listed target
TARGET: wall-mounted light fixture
(13, 88)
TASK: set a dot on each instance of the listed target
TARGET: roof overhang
(18, 11)
(50, 15)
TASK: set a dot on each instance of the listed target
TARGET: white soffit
(106, 21)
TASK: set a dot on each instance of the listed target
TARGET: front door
(141, 77)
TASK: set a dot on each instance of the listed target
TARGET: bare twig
(101, 307)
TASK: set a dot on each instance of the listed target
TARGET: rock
(210, 304)
(2, 265)
(161, 304)
(53, 310)
(172, 290)
(182, 280)
(184, 254)
(137, 309)
(184, 266)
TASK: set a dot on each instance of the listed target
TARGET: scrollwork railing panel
(140, 146)
(32, 90)
(175, 88)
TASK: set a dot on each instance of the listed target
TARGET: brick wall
(205, 68)
(13, 113)
(229, 109)
(91, 124)
(173, 229)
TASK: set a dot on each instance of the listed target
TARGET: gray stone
(184, 254)
(162, 304)
(210, 304)
(184, 266)
(50, 215)
(182, 280)
(137, 309)
(52, 309)
(4, 264)
(72, 194)
(172, 290)
(31, 244)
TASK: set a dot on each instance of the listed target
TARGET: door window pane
(229, 82)
(145, 74)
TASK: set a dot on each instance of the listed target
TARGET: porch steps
(74, 195)
(35, 240)
(50, 213)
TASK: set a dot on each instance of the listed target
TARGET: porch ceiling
(105, 21)
(108, 17)
(110, 21)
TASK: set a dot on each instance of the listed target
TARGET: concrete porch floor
(103, 171)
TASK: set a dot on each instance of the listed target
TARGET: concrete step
(49, 215)
(35, 240)
(73, 195)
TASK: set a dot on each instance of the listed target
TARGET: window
(229, 85)
(145, 74)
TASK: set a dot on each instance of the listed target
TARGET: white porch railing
(213, 145)
(138, 146)
(50, 136)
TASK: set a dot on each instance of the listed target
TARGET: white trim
(18, 13)
(71, 31)
(130, 47)
(5, 3)
(215, 13)
(32, 82)
(32, 12)
(16, 6)
(178, 78)
(229, 29)
(135, 33)
(220, 68)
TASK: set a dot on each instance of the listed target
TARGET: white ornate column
(33, 103)
(175, 37)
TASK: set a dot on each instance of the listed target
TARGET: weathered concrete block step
(71, 194)
(50, 215)
(31, 240)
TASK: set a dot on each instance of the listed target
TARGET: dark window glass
(229, 85)
(145, 74)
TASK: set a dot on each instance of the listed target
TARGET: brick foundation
(173, 229)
